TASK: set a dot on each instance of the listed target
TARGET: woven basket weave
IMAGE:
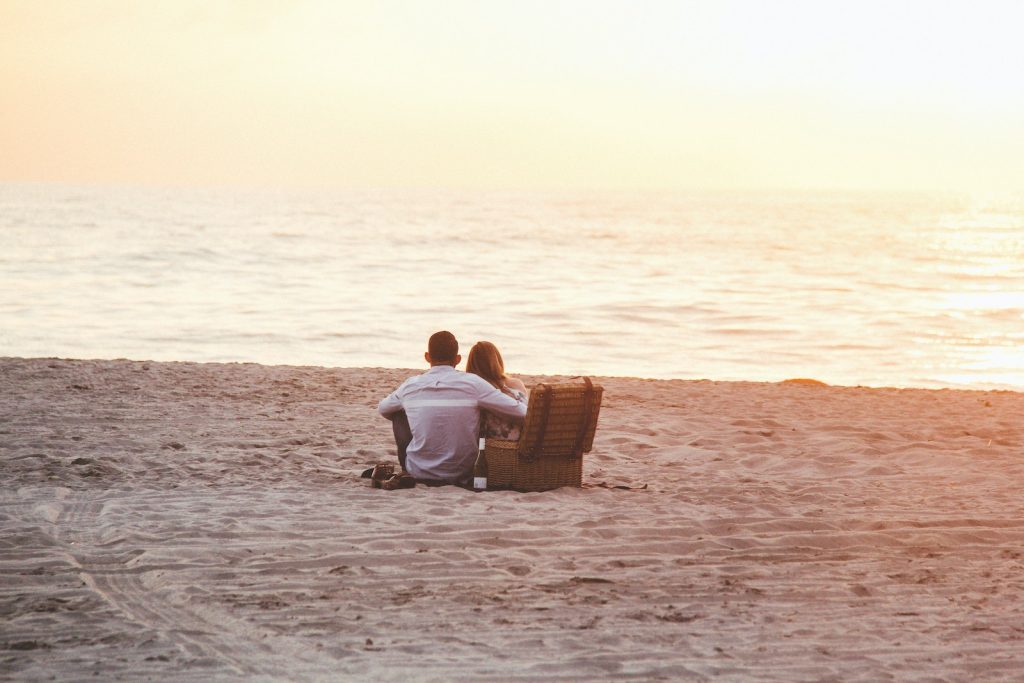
(559, 429)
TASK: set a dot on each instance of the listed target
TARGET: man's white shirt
(443, 406)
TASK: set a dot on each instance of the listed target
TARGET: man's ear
(426, 357)
(458, 359)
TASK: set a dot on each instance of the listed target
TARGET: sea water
(873, 289)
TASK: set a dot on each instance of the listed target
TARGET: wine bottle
(480, 469)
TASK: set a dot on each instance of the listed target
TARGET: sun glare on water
(979, 294)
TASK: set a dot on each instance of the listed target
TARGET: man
(436, 415)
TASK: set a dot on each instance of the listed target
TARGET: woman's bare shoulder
(513, 383)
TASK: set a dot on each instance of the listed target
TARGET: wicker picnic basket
(559, 429)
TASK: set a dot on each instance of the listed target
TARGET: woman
(485, 360)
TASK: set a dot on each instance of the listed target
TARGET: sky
(551, 95)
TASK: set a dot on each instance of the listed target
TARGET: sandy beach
(180, 521)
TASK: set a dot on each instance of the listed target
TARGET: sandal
(399, 481)
(381, 473)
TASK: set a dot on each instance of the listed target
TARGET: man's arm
(391, 404)
(500, 402)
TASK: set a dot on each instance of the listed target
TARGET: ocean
(847, 288)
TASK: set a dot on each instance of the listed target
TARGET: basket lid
(561, 419)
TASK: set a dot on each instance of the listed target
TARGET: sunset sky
(545, 95)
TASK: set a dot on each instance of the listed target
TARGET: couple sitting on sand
(438, 416)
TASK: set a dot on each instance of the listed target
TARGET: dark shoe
(381, 473)
(399, 481)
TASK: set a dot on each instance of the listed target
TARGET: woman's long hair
(485, 360)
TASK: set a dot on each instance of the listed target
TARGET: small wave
(753, 332)
(989, 279)
(894, 285)
(733, 318)
(661, 309)
(853, 347)
(325, 336)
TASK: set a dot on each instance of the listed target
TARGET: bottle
(480, 469)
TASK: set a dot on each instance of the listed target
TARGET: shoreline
(189, 521)
(533, 377)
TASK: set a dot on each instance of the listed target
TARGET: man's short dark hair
(443, 346)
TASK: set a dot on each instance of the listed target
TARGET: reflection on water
(851, 289)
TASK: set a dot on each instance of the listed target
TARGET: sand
(206, 521)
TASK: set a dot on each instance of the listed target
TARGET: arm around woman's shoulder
(515, 384)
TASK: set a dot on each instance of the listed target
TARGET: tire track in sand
(214, 635)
